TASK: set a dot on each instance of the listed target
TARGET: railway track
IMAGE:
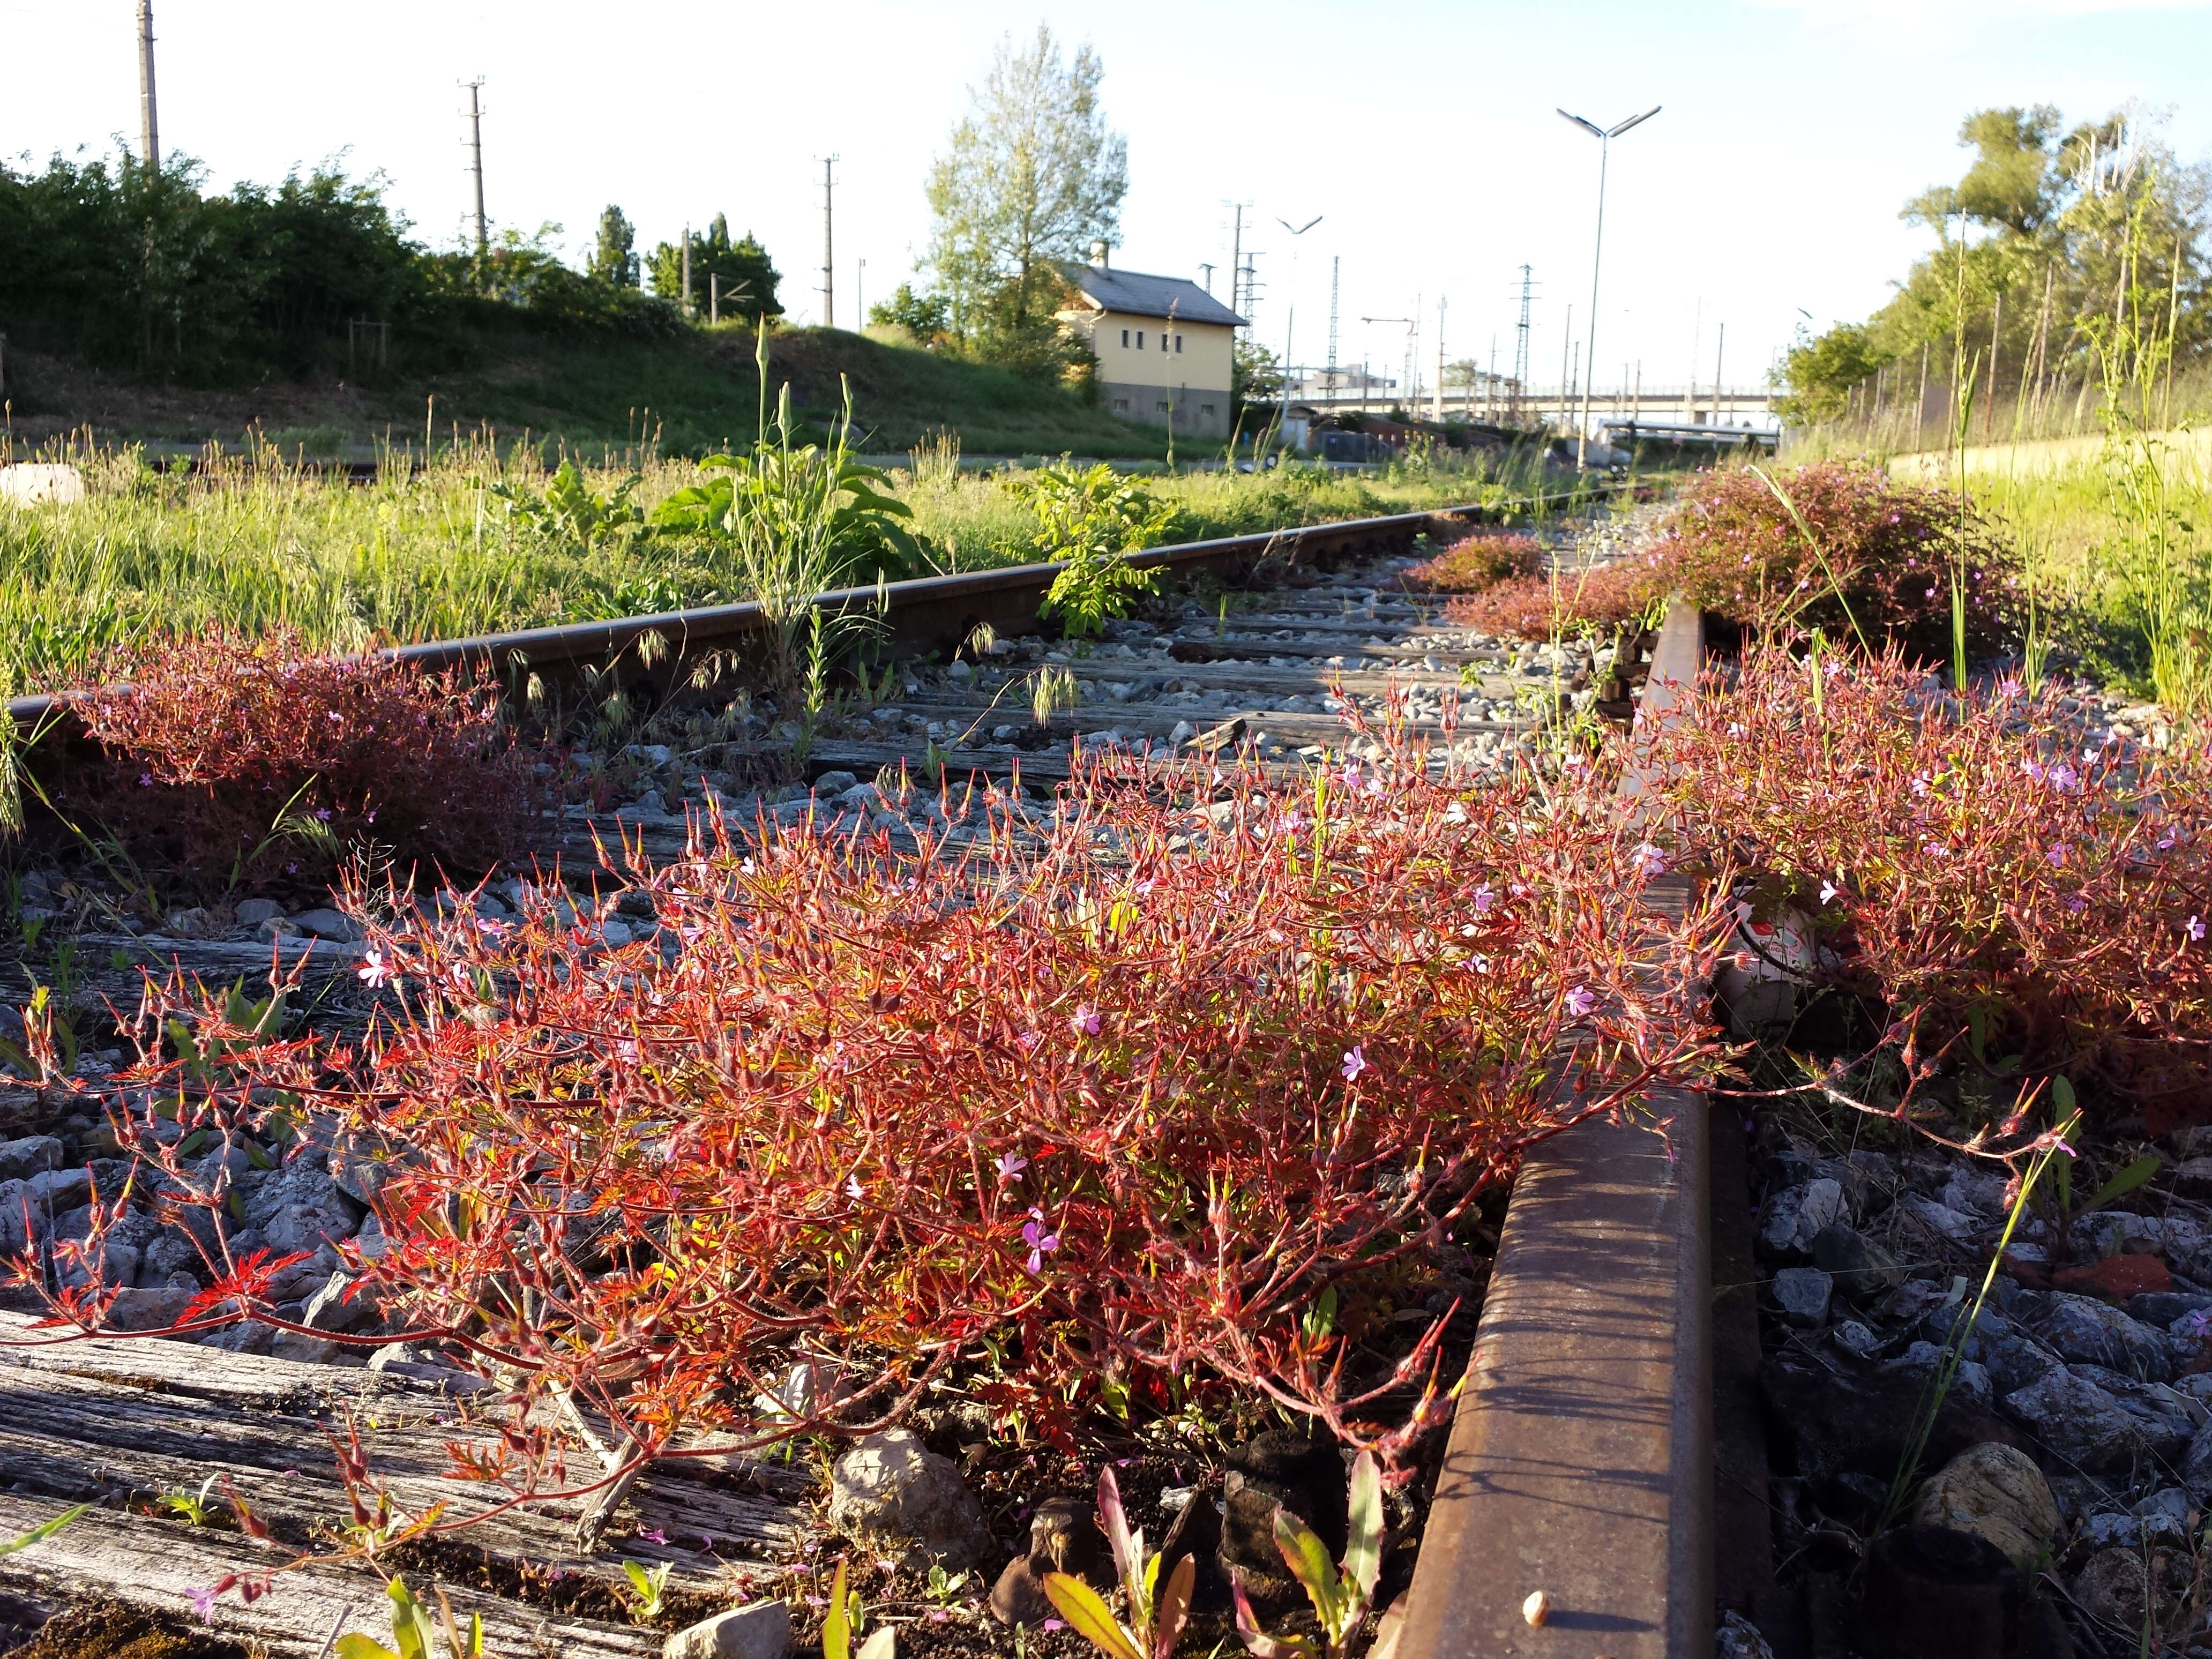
(1580, 1463)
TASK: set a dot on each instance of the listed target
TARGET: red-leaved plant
(1477, 562)
(1992, 882)
(1834, 545)
(255, 761)
(1108, 1099)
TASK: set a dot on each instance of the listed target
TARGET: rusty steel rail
(1581, 1456)
(921, 615)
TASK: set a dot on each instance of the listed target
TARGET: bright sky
(1423, 133)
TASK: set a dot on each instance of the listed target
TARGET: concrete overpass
(1751, 406)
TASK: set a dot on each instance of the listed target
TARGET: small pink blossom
(1039, 1240)
(1085, 1022)
(2195, 929)
(1355, 1062)
(375, 970)
(1011, 1166)
(203, 1602)
(1828, 891)
(1580, 1002)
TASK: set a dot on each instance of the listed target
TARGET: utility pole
(1236, 253)
(476, 162)
(687, 270)
(1566, 356)
(860, 296)
(828, 252)
(1717, 351)
(1521, 344)
(1437, 403)
(149, 130)
(1335, 271)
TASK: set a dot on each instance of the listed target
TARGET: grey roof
(1140, 296)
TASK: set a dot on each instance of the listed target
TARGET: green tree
(1821, 371)
(614, 259)
(925, 316)
(749, 279)
(1255, 374)
(1032, 176)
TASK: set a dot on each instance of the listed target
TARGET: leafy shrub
(232, 761)
(1835, 546)
(1476, 563)
(1092, 518)
(1096, 1112)
(1988, 884)
(1849, 552)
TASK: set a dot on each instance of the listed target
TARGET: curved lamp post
(1605, 136)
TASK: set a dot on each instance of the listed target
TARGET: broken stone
(1860, 1266)
(2082, 1328)
(1018, 1597)
(1803, 1295)
(29, 1156)
(2075, 1418)
(1788, 1221)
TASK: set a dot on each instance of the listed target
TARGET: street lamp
(1296, 231)
(1605, 137)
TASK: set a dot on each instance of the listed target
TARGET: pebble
(891, 1489)
(1803, 1295)
(759, 1631)
(2080, 1327)
(251, 913)
(1997, 1493)
(2075, 1418)
(327, 924)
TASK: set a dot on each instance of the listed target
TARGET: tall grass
(257, 542)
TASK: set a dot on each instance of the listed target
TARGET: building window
(1125, 339)
(1140, 339)
(1160, 408)
(1206, 410)
(1120, 405)
(1178, 343)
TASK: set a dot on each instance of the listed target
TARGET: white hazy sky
(1422, 132)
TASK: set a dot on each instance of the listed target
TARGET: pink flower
(203, 1602)
(1038, 1240)
(1649, 860)
(2195, 929)
(654, 1536)
(1355, 1062)
(1085, 1022)
(1010, 1167)
(374, 970)
(1827, 892)
(1580, 1002)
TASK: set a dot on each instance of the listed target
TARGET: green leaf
(1307, 1557)
(882, 1644)
(1362, 1552)
(410, 1623)
(1087, 1615)
(357, 1646)
(2135, 1175)
(43, 1531)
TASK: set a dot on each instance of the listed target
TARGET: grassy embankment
(590, 394)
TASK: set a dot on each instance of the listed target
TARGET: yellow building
(1164, 346)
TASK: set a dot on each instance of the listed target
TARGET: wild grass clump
(2000, 899)
(232, 763)
(1120, 1109)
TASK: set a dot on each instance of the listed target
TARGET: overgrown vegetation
(1206, 1055)
(482, 541)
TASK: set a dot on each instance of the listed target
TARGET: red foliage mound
(1863, 558)
(1091, 1112)
(1597, 600)
(1477, 562)
(1848, 551)
(236, 762)
(2000, 890)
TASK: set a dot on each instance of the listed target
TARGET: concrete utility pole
(476, 162)
(1335, 271)
(149, 130)
(1605, 137)
(828, 246)
(1437, 404)
(1718, 350)
(687, 270)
